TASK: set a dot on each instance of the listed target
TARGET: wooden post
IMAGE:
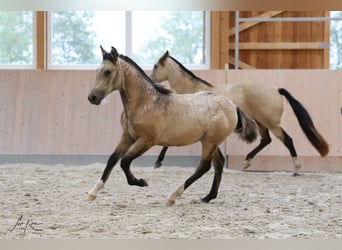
(41, 39)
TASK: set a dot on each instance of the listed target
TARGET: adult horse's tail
(306, 123)
(246, 127)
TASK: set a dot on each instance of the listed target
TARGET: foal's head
(108, 77)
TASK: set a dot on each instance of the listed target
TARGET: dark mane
(159, 88)
(190, 73)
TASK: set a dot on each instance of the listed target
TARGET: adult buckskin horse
(156, 116)
(260, 101)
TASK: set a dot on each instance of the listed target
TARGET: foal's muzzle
(96, 96)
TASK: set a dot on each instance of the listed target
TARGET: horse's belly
(178, 136)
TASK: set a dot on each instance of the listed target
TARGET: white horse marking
(172, 197)
(93, 192)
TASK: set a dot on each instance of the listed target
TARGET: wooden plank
(40, 39)
(247, 25)
(280, 46)
(215, 40)
(224, 39)
(219, 39)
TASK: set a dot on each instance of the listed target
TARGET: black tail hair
(246, 127)
(306, 123)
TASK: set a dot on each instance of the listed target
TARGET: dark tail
(246, 127)
(306, 124)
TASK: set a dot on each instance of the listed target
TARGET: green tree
(72, 39)
(180, 32)
(16, 37)
(336, 42)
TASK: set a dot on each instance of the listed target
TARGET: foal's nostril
(95, 96)
(92, 98)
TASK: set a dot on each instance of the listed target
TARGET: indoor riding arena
(71, 169)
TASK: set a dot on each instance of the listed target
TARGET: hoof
(158, 164)
(206, 199)
(169, 203)
(142, 183)
(296, 174)
(91, 197)
(246, 164)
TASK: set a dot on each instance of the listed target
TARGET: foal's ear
(164, 57)
(103, 51)
(114, 54)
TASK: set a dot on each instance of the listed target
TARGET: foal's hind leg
(265, 140)
(287, 140)
(125, 142)
(218, 162)
(202, 168)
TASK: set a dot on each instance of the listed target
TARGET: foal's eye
(155, 66)
(107, 72)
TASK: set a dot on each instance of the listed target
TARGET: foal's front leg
(125, 142)
(137, 149)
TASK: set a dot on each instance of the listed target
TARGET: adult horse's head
(160, 72)
(108, 77)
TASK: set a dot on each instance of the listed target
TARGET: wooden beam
(215, 40)
(242, 65)
(224, 38)
(40, 39)
(244, 26)
(219, 39)
(280, 46)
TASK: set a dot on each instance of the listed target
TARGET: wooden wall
(271, 45)
(47, 112)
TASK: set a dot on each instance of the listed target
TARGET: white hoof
(246, 164)
(91, 197)
(93, 192)
(169, 203)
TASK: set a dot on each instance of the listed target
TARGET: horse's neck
(135, 89)
(183, 83)
(132, 85)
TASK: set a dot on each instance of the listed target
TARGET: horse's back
(193, 116)
(259, 100)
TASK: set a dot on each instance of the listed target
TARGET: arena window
(17, 36)
(74, 37)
